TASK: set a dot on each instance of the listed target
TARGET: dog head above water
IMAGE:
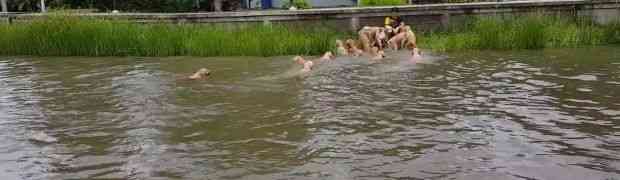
(416, 53)
(299, 60)
(328, 56)
(350, 43)
(202, 73)
(339, 43)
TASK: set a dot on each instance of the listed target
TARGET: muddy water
(549, 114)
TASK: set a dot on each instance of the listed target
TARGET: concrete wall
(605, 16)
(278, 3)
(353, 18)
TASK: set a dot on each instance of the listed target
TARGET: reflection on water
(551, 114)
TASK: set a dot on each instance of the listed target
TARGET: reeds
(61, 35)
(522, 32)
(382, 2)
(72, 36)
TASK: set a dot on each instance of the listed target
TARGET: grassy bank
(382, 2)
(69, 36)
(524, 32)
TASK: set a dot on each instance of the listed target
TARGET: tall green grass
(522, 32)
(72, 36)
(382, 2)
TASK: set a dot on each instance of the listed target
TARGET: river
(531, 114)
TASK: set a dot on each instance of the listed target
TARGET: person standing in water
(393, 22)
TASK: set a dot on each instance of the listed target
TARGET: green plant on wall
(382, 2)
(300, 4)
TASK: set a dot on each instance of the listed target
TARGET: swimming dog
(404, 39)
(372, 36)
(342, 50)
(306, 63)
(328, 56)
(397, 42)
(411, 40)
(352, 48)
(376, 54)
(202, 73)
(416, 54)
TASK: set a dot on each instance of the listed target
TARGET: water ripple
(470, 115)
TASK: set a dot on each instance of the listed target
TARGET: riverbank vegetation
(299, 4)
(522, 32)
(71, 36)
(382, 2)
(62, 35)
